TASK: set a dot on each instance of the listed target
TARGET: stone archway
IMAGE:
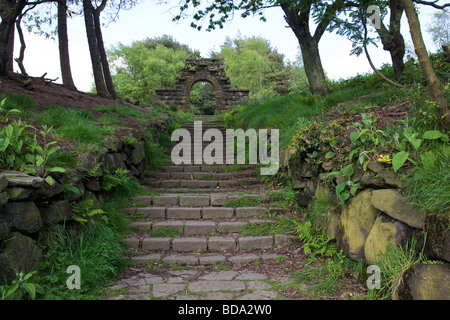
(208, 70)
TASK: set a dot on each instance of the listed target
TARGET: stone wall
(380, 215)
(208, 70)
(27, 202)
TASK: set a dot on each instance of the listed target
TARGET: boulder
(355, 223)
(46, 191)
(112, 143)
(3, 182)
(427, 282)
(371, 180)
(327, 192)
(57, 212)
(385, 231)
(437, 245)
(389, 177)
(22, 216)
(92, 185)
(4, 228)
(4, 197)
(17, 193)
(20, 254)
(19, 179)
(138, 153)
(90, 163)
(396, 205)
(332, 224)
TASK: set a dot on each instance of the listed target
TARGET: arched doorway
(202, 98)
(202, 70)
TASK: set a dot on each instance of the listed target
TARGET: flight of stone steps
(190, 221)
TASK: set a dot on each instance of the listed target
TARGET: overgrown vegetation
(362, 120)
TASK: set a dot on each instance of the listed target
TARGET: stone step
(193, 259)
(199, 184)
(203, 213)
(193, 227)
(197, 199)
(208, 168)
(209, 243)
(202, 175)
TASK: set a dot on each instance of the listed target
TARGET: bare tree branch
(433, 4)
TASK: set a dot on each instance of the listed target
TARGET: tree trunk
(64, 59)
(434, 86)
(8, 14)
(10, 49)
(309, 45)
(392, 39)
(103, 56)
(93, 49)
(6, 54)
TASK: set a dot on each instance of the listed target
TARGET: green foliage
(4, 112)
(21, 288)
(252, 63)
(118, 178)
(318, 142)
(155, 156)
(14, 139)
(367, 140)
(40, 155)
(84, 210)
(283, 225)
(20, 150)
(315, 241)
(143, 66)
(230, 117)
(202, 98)
(429, 184)
(393, 265)
(439, 28)
(73, 124)
(347, 188)
(244, 201)
(96, 249)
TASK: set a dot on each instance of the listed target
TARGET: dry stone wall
(380, 215)
(206, 70)
(27, 202)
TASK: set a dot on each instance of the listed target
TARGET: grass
(97, 250)
(283, 225)
(429, 185)
(244, 201)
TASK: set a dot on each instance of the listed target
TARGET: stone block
(259, 242)
(156, 244)
(247, 212)
(194, 201)
(221, 244)
(217, 213)
(152, 212)
(199, 228)
(183, 213)
(165, 200)
(186, 244)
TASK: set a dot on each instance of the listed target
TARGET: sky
(150, 19)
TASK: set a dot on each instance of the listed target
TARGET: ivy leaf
(399, 159)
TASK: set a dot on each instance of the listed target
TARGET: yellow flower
(384, 158)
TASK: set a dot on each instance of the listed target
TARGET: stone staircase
(191, 222)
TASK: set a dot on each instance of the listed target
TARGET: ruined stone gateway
(202, 70)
